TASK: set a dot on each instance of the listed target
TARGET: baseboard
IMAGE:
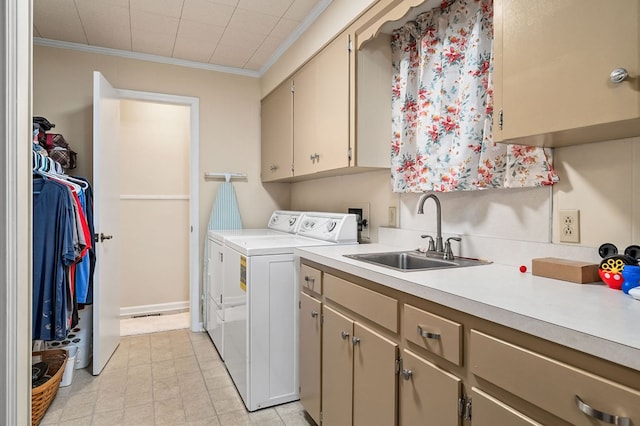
(160, 308)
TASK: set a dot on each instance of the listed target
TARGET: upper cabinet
(321, 110)
(277, 133)
(338, 112)
(552, 71)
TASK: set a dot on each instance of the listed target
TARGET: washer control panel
(341, 228)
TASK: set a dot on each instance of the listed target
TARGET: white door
(106, 188)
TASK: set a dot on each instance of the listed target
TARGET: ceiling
(240, 34)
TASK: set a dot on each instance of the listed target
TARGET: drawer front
(310, 280)
(489, 411)
(374, 306)
(433, 333)
(550, 384)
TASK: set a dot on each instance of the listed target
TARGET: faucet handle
(448, 253)
(432, 246)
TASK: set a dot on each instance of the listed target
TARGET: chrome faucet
(439, 248)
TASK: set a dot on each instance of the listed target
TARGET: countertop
(591, 318)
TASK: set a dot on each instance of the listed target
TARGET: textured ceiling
(243, 34)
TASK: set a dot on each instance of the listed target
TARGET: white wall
(154, 162)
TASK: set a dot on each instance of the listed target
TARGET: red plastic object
(613, 279)
(523, 269)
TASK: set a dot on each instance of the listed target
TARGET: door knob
(355, 340)
(344, 334)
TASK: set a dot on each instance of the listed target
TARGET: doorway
(168, 204)
(154, 216)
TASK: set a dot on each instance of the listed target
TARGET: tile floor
(168, 378)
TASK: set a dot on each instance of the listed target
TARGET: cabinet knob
(406, 374)
(344, 335)
(355, 340)
(618, 75)
(273, 168)
(314, 314)
(600, 415)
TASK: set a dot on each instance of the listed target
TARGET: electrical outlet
(569, 225)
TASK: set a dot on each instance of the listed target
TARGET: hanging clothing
(63, 253)
(53, 253)
(442, 107)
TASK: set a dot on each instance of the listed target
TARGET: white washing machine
(261, 333)
(281, 223)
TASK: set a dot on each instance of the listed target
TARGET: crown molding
(143, 57)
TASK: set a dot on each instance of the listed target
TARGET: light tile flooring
(168, 378)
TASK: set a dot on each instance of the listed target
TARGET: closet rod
(226, 176)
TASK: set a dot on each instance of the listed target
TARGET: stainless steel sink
(414, 260)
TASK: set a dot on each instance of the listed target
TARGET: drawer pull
(600, 415)
(428, 335)
(309, 281)
(314, 314)
(344, 334)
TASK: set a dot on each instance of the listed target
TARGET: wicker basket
(42, 395)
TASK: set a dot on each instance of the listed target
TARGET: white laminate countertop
(591, 318)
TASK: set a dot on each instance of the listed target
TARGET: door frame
(194, 190)
(15, 213)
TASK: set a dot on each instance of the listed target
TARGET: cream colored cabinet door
(332, 88)
(277, 133)
(552, 68)
(304, 119)
(428, 392)
(321, 110)
(337, 368)
(489, 411)
(375, 381)
(310, 353)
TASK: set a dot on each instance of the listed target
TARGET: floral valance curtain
(442, 107)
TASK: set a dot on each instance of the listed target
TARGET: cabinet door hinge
(322, 319)
(321, 418)
(299, 304)
(464, 407)
(350, 45)
(500, 119)
(350, 153)
(398, 365)
(293, 87)
(291, 167)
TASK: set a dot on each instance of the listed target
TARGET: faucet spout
(423, 199)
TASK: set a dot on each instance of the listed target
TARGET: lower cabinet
(358, 373)
(489, 411)
(574, 395)
(310, 352)
(428, 392)
(371, 355)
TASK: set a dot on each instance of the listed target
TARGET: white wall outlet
(569, 225)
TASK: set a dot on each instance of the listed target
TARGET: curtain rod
(226, 176)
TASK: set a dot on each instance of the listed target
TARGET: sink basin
(414, 260)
